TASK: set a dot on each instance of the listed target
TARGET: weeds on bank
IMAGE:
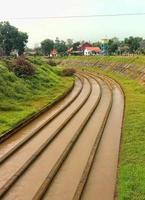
(25, 95)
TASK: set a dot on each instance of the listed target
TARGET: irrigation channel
(69, 152)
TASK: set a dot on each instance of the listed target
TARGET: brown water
(102, 178)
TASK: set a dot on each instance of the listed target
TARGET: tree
(69, 43)
(47, 46)
(113, 45)
(142, 47)
(38, 51)
(60, 46)
(133, 43)
(75, 45)
(20, 42)
(11, 39)
(7, 33)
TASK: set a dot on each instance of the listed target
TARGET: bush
(52, 62)
(21, 67)
(68, 72)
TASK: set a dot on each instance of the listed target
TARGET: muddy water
(64, 185)
(102, 179)
(25, 187)
(20, 135)
(14, 163)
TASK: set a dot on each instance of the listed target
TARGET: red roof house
(92, 50)
(84, 46)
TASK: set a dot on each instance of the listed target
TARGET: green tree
(7, 34)
(142, 47)
(47, 46)
(11, 39)
(20, 42)
(133, 43)
(69, 43)
(75, 45)
(60, 46)
(113, 45)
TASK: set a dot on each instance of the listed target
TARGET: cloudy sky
(90, 29)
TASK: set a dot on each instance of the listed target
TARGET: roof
(54, 51)
(83, 46)
(95, 49)
(70, 49)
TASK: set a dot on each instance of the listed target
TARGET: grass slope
(138, 60)
(21, 97)
(132, 66)
(131, 179)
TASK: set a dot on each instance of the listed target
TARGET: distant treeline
(131, 45)
(12, 41)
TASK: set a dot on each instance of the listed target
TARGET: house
(79, 49)
(84, 46)
(53, 53)
(92, 51)
(70, 50)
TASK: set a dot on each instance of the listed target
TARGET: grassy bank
(138, 60)
(131, 66)
(21, 97)
(131, 178)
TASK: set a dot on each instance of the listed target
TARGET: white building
(89, 51)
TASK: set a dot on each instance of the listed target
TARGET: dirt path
(70, 152)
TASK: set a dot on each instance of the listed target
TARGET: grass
(139, 60)
(131, 180)
(131, 177)
(22, 97)
(133, 66)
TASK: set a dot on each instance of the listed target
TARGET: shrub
(68, 72)
(52, 62)
(21, 67)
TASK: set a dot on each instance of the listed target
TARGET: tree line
(48, 45)
(13, 40)
(130, 45)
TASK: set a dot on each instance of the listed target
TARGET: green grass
(139, 60)
(134, 66)
(131, 180)
(21, 97)
(131, 177)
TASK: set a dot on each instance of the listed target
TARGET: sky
(88, 29)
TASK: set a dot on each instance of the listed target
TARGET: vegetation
(11, 39)
(60, 46)
(52, 62)
(69, 72)
(21, 67)
(131, 176)
(114, 46)
(47, 46)
(138, 60)
(23, 96)
(132, 66)
(128, 45)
